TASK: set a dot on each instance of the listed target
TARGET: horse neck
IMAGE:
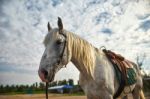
(83, 55)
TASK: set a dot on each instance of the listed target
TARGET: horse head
(55, 55)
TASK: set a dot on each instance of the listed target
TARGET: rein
(46, 90)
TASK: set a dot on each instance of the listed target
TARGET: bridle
(62, 54)
(60, 59)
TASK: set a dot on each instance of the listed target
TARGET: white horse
(97, 74)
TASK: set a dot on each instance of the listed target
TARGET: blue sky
(120, 25)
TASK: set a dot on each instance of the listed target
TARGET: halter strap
(62, 54)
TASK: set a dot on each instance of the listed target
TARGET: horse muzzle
(45, 76)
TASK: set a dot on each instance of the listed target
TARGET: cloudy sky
(120, 25)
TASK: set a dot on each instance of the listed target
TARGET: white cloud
(119, 25)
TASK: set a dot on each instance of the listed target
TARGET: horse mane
(81, 50)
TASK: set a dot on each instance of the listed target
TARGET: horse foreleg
(138, 93)
(106, 95)
(125, 97)
(142, 95)
(89, 97)
(92, 97)
(102, 96)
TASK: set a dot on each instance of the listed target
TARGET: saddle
(123, 68)
(119, 61)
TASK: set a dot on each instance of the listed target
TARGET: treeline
(62, 82)
(146, 83)
(39, 87)
(22, 89)
(34, 88)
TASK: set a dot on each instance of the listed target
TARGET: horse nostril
(45, 73)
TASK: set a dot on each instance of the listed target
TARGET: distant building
(60, 89)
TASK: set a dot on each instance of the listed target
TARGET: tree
(36, 85)
(140, 60)
(53, 84)
(71, 82)
(63, 82)
(41, 85)
(1, 88)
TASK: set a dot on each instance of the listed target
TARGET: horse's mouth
(50, 78)
(45, 76)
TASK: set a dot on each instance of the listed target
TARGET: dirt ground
(42, 96)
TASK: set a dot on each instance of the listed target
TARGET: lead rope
(46, 90)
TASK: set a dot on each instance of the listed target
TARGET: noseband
(60, 59)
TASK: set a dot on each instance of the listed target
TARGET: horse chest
(94, 88)
(90, 88)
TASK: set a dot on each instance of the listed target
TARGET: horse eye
(58, 42)
(44, 56)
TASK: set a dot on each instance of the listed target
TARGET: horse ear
(49, 27)
(60, 24)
